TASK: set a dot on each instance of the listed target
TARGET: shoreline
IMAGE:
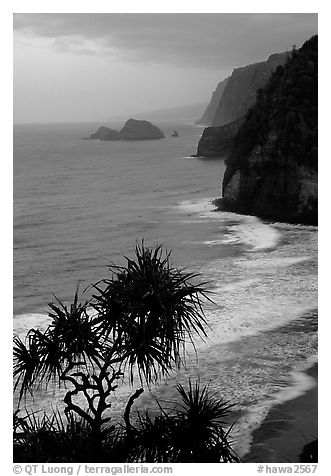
(288, 427)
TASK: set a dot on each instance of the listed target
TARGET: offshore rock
(105, 133)
(140, 130)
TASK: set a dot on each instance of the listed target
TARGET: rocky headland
(236, 95)
(272, 169)
(209, 114)
(218, 141)
(133, 129)
(240, 91)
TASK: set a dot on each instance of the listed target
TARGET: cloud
(187, 40)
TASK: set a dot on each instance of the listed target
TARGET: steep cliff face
(240, 91)
(272, 170)
(237, 95)
(209, 114)
(218, 141)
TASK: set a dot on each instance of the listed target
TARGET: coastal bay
(263, 275)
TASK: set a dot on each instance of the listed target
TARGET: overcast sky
(85, 67)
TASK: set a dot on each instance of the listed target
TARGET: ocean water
(80, 205)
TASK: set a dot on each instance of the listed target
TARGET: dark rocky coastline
(230, 102)
(218, 141)
(272, 170)
(239, 94)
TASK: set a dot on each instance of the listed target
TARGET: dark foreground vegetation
(134, 327)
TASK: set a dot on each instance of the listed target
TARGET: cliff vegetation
(231, 101)
(272, 170)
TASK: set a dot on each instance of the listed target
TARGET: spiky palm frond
(154, 439)
(37, 361)
(203, 408)
(205, 418)
(74, 329)
(191, 432)
(35, 440)
(26, 363)
(51, 439)
(149, 310)
(19, 423)
(47, 438)
(71, 337)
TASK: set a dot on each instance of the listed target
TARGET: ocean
(81, 205)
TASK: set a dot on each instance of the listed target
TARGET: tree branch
(131, 400)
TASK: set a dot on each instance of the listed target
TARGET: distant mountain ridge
(180, 114)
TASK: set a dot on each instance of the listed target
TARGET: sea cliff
(208, 116)
(218, 141)
(272, 170)
(231, 101)
(240, 91)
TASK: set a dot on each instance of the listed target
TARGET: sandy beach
(287, 429)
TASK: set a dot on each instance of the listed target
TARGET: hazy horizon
(79, 67)
(153, 113)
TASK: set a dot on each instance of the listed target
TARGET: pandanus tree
(136, 324)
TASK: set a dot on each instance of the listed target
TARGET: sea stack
(132, 130)
(105, 133)
(140, 130)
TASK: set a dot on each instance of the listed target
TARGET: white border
(169, 6)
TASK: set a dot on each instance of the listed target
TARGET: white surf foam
(24, 322)
(258, 235)
(259, 292)
(202, 207)
(274, 262)
(247, 230)
(184, 158)
(218, 242)
(294, 226)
